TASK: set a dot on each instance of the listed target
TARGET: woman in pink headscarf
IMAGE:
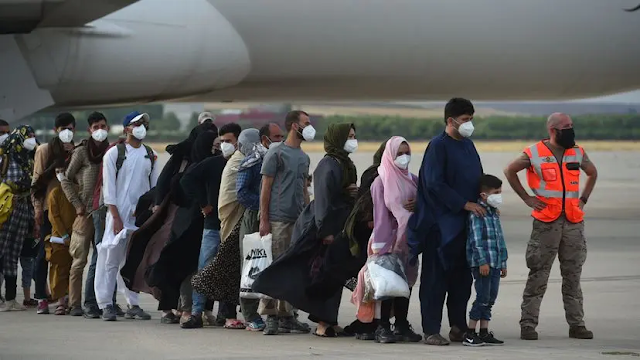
(393, 194)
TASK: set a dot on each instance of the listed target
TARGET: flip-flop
(235, 325)
(329, 333)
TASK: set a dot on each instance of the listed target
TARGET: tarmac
(610, 283)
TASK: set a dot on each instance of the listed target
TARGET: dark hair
(95, 117)
(230, 128)
(458, 107)
(489, 182)
(3, 123)
(65, 119)
(265, 130)
(293, 117)
(310, 178)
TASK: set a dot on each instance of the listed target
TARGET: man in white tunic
(128, 172)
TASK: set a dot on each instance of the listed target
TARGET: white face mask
(60, 176)
(30, 144)
(402, 161)
(66, 136)
(139, 132)
(494, 200)
(466, 129)
(3, 138)
(351, 145)
(227, 149)
(99, 135)
(309, 133)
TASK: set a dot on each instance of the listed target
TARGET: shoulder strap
(150, 154)
(122, 150)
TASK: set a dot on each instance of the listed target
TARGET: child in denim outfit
(487, 257)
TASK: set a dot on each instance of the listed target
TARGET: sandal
(234, 324)
(60, 310)
(328, 333)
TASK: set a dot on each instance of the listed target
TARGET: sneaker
(366, 336)
(119, 311)
(271, 325)
(76, 311)
(136, 313)
(169, 318)
(405, 333)
(43, 307)
(436, 340)
(291, 325)
(471, 338)
(384, 335)
(490, 340)
(528, 333)
(109, 313)
(456, 335)
(92, 312)
(194, 322)
(256, 325)
(31, 303)
(580, 332)
(12, 305)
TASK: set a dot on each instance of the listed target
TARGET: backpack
(122, 150)
(6, 193)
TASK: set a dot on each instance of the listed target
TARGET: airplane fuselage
(235, 50)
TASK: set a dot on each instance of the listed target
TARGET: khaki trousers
(79, 246)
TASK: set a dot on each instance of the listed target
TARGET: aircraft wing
(23, 16)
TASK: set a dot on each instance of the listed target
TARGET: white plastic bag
(257, 256)
(387, 277)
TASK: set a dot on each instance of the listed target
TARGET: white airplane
(81, 53)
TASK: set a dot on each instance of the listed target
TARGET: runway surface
(611, 287)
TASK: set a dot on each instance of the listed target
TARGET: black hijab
(202, 146)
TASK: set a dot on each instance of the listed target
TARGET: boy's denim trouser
(486, 294)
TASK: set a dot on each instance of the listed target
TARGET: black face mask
(566, 138)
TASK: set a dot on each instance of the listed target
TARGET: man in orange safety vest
(553, 175)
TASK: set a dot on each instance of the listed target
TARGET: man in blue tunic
(447, 189)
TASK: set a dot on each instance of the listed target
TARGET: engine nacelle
(191, 45)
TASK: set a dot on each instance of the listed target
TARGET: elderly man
(553, 174)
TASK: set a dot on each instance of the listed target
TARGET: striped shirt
(485, 240)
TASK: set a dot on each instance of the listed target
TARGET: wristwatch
(583, 199)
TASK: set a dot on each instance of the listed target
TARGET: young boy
(61, 215)
(487, 257)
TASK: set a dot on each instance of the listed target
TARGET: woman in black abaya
(289, 277)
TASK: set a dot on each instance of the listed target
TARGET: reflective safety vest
(557, 185)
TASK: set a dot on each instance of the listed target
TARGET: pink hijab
(399, 186)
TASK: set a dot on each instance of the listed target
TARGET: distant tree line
(587, 127)
(167, 127)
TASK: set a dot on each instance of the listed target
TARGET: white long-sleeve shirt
(134, 179)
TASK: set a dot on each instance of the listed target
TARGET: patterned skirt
(220, 279)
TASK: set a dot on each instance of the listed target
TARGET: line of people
(177, 232)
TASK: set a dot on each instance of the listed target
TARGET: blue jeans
(208, 251)
(89, 291)
(28, 266)
(486, 294)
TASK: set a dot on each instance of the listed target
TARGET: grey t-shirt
(290, 168)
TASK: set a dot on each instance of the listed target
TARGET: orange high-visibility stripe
(557, 187)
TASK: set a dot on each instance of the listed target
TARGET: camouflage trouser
(548, 239)
(281, 239)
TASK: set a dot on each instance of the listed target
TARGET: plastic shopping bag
(388, 277)
(257, 255)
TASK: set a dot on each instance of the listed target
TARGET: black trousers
(436, 283)
(41, 265)
(400, 306)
